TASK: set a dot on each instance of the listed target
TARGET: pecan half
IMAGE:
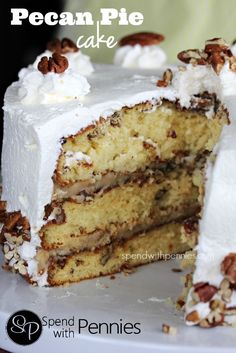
(57, 63)
(203, 292)
(228, 267)
(166, 80)
(63, 46)
(142, 38)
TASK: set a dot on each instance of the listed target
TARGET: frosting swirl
(36, 88)
(137, 56)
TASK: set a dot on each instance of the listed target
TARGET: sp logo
(24, 327)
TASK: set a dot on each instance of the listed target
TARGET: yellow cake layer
(123, 209)
(133, 138)
(155, 245)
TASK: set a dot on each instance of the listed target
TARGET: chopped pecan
(215, 53)
(217, 304)
(48, 210)
(115, 119)
(3, 212)
(3, 205)
(193, 317)
(24, 223)
(193, 56)
(106, 255)
(215, 45)
(191, 224)
(228, 267)
(63, 46)
(232, 63)
(203, 292)
(12, 219)
(225, 290)
(172, 134)
(169, 330)
(230, 310)
(142, 38)
(213, 319)
(166, 80)
(57, 63)
(217, 61)
(61, 261)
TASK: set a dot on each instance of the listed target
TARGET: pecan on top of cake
(142, 38)
(216, 53)
(57, 63)
(166, 79)
(63, 46)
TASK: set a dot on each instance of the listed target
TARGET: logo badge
(24, 327)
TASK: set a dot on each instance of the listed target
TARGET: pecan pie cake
(100, 172)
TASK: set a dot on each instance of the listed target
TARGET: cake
(101, 172)
(140, 50)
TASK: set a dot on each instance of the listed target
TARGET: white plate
(140, 297)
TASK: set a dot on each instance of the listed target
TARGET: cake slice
(99, 176)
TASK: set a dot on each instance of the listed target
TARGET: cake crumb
(112, 277)
(100, 285)
(169, 330)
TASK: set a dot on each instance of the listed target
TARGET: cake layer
(133, 138)
(148, 247)
(122, 210)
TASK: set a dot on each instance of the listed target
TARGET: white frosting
(78, 62)
(217, 228)
(28, 162)
(233, 49)
(228, 80)
(75, 157)
(137, 56)
(27, 251)
(36, 88)
(196, 79)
